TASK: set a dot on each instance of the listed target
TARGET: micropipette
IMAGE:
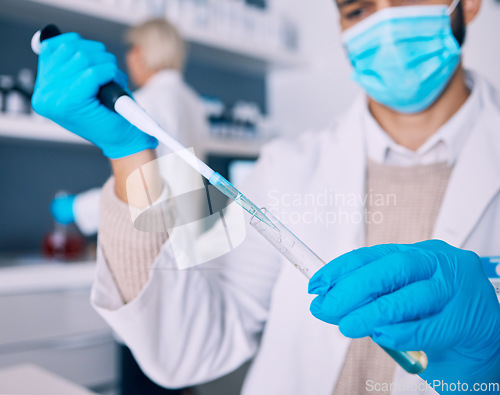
(117, 99)
(308, 263)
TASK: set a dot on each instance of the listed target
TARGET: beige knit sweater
(129, 252)
(405, 205)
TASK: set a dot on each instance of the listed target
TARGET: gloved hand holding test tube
(117, 99)
(308, 263)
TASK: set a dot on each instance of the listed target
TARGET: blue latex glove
(61, 209)
(70, 72)
(427, 296)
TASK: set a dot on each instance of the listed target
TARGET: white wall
(482, 48)
(311, 97)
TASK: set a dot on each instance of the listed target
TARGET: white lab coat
(175, 106)
(190, 326)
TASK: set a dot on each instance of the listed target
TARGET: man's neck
(412, 130)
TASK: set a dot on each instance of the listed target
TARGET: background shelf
(35, 128)
(96, 19)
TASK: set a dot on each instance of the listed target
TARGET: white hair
(161, 44)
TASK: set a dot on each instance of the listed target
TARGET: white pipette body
(132, 112)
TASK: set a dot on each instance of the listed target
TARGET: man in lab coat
(415, 159)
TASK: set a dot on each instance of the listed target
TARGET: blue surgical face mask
(404, 57)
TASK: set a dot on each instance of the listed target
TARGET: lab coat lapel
(346, 164)
(474, 181)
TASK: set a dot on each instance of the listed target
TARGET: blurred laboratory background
(263, 69)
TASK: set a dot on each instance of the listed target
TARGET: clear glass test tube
(305, 260)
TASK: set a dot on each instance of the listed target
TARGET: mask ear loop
(452, 7)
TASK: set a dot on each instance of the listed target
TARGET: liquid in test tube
(290, 246)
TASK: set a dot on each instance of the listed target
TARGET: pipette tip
(231, 192)
(262, 217)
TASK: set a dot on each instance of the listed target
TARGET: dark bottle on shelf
(64, 242)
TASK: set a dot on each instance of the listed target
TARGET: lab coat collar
(473, 184)
(443, 146)
(476, 177)
(347, 164)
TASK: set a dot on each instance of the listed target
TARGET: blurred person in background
(155, 61)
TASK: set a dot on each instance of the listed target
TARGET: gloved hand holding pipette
(427, 296)
(71, 71)
(73, 89)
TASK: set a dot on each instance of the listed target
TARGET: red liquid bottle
(63, 244)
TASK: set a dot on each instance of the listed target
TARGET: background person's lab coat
(179, 111)
(192, 326)
(175, 106)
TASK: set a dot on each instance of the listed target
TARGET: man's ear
(471, 9)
